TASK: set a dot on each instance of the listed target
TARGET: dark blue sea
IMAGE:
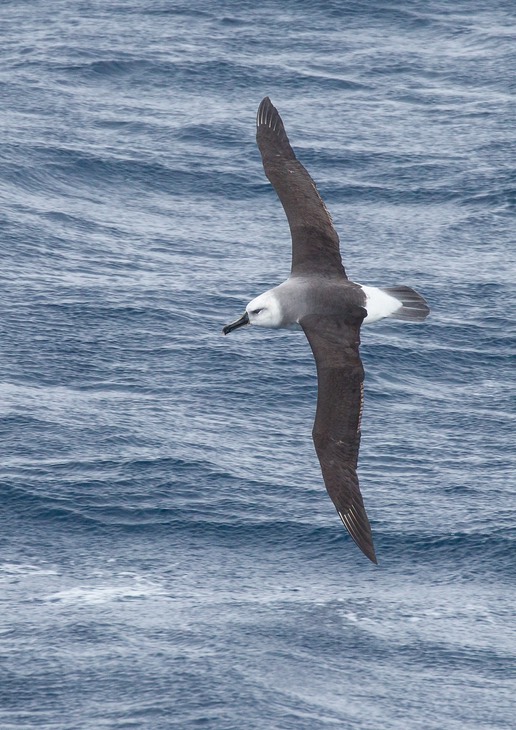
(169, 557)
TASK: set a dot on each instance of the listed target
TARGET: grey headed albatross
(319, 298)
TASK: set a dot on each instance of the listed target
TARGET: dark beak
(244, 319)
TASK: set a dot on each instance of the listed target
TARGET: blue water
(169, 556)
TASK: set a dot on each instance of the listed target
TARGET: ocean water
(169, 556)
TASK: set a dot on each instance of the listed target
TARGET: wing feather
(335, 344)
(315, 243)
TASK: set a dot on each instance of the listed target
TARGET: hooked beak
(244, 319)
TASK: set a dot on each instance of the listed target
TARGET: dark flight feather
(315, 243)
(335, 344)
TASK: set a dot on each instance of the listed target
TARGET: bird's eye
(255, 311)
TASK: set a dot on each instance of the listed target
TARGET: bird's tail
(413, 309)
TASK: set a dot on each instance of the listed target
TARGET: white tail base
(379, 304)
(398, 302)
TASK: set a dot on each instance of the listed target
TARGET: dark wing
(315, 243)
(334, 341)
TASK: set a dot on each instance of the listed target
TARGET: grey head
(332, 330)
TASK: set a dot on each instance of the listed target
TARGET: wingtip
(266, 110)
(270, 131)
(368, 550)
(265, 102)
(360, 531)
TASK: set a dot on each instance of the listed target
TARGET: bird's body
(301, 295)
(319, 299)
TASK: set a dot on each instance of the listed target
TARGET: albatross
(319, 298)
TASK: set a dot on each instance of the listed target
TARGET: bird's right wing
(315, 243)
(335, 341)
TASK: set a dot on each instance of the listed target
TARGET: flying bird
(319, 298)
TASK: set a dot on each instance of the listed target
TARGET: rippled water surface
(169, 556)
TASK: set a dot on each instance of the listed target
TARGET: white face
(264, 311)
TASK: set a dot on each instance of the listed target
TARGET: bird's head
(263, 311)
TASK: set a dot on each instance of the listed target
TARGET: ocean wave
(164, 519)
(463, 554)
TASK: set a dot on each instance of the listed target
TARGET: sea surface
(169, 557)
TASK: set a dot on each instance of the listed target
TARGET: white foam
(10, 570)
(95, 594)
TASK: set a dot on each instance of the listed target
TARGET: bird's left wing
(335, 341)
